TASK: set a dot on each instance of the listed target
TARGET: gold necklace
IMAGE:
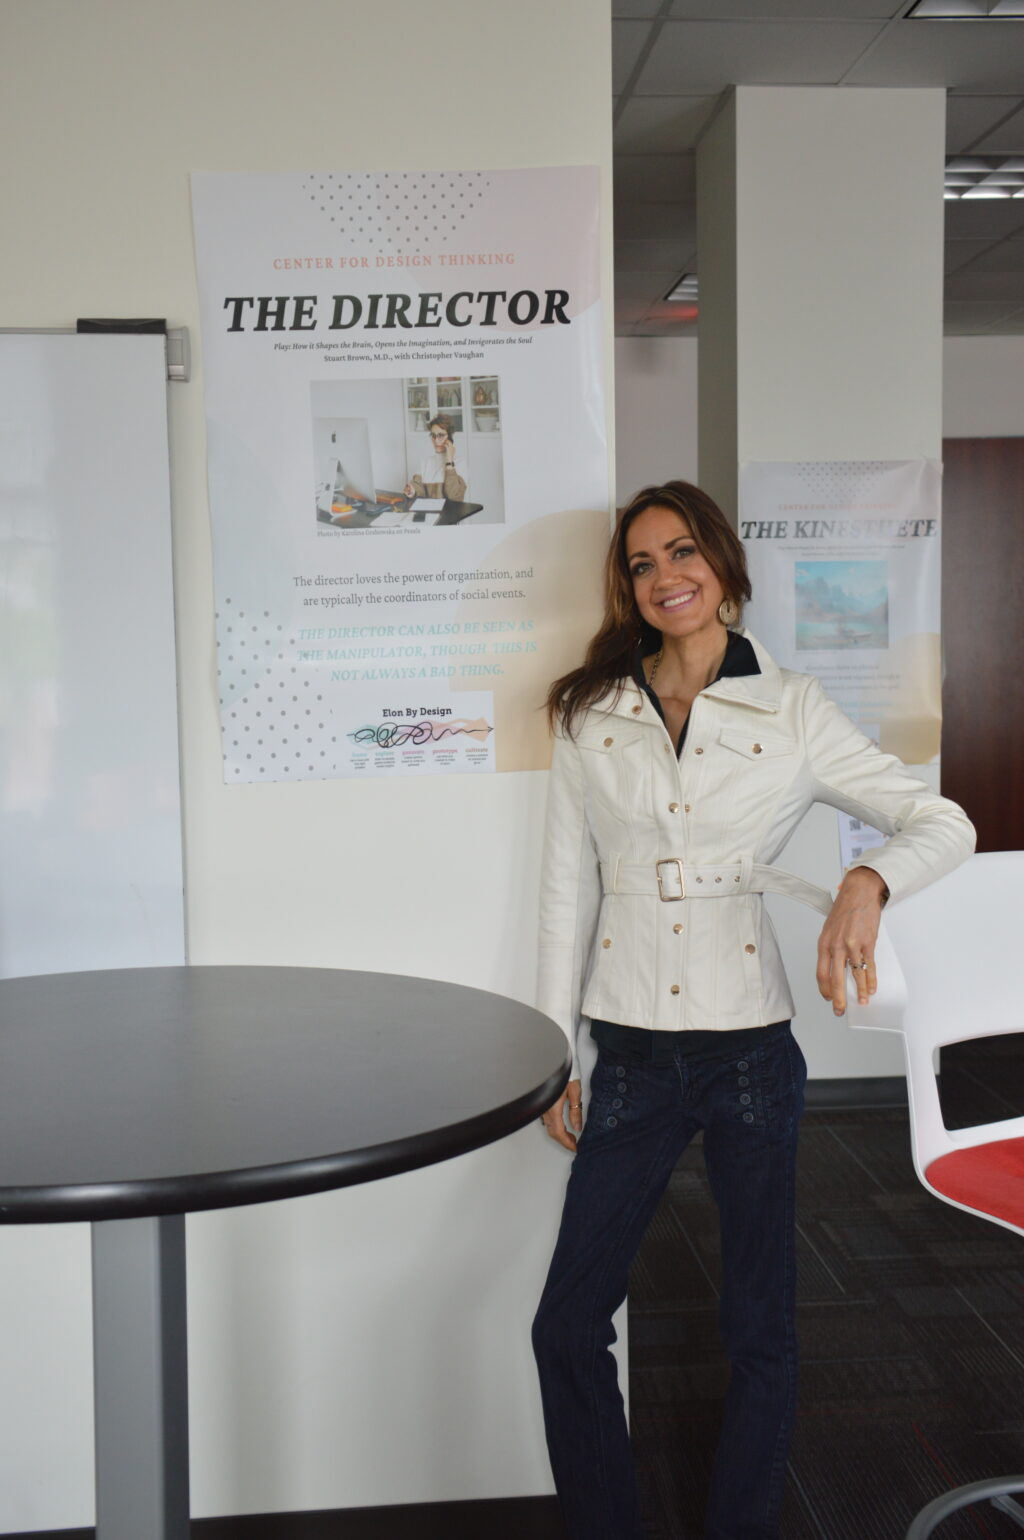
(654, 667)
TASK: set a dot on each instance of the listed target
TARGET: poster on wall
(844, 559)
(407, 461)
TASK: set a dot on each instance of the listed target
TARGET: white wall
(655, 412)
(368, 1346)
(656, 401)
(983, 387)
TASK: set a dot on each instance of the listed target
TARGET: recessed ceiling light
(984, 176)
(684, 291)
(968, 165)
(966, 10)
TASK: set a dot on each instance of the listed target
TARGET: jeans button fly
(748, 1117)
(620, 1070)
(745, 1099)
(617, 1103)
(742, 1065)
(744, 1080)
(612, 1122)
(621, 1086)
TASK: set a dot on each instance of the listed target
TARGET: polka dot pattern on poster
(842, 481)
(276, 724)
(409, 210)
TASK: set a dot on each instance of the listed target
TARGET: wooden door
(983, 635)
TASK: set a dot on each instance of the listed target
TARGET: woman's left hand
(848, 938)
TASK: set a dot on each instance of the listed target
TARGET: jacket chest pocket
(756, 747)
(769, 753)
(616, 764)
(752, 767)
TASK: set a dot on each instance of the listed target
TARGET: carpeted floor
(911, 1321)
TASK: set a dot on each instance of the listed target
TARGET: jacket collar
(762, 691)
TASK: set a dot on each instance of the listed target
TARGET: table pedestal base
(140, 1349)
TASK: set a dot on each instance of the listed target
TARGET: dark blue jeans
(640, 1120)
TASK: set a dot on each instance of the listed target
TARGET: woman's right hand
(554, 1118)
(410, 490)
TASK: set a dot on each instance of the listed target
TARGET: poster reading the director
(408, 467)
(844, 559)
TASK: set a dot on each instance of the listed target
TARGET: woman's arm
(928, 836)
(570, 899)
(454, 484)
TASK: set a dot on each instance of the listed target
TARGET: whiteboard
(90, 818)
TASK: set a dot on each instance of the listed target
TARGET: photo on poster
(408, 452)
(841, 605)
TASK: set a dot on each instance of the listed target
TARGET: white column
(820, 260)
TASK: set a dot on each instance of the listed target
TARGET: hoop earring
(728, 612)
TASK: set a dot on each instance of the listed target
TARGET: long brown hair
(612, 651)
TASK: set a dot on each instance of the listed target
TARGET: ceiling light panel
(967, 10)
(984, 176)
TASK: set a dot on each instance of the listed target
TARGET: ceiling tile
(973, 285)
(1012, 325)
(642, 287)
(975, 218)
(1004, 257)
(959, 252)
(653, 125)
(758, 10)
(628, 38)
(655, 178)
(977, 315)
(652, 327)
(694, 57)
(983, 56)
(1008, 138)
(969, 117)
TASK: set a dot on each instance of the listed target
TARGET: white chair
(948, 962)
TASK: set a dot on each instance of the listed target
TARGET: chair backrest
(949, 970)
(960, 943)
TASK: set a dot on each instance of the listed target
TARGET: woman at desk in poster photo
(684, 758)
(440, 474)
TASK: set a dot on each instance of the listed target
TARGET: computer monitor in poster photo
(408, 452)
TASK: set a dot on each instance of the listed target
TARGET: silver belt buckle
(670, 898)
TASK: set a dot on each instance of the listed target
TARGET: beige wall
(368, 1346)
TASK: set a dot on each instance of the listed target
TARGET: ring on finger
(860, 965)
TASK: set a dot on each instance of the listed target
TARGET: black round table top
(144, 1091)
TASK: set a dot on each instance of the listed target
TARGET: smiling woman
(684, 758)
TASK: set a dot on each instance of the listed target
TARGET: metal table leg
(141, 1378)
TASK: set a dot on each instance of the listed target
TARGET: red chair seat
(989, 1178)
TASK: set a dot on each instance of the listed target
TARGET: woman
(684, 758)
(440, 474)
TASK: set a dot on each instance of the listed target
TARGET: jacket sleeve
(570, 895)
(928, 835)
(454, 485)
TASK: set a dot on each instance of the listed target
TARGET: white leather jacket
(654, 867)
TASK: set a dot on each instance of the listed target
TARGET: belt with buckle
(672, 879)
